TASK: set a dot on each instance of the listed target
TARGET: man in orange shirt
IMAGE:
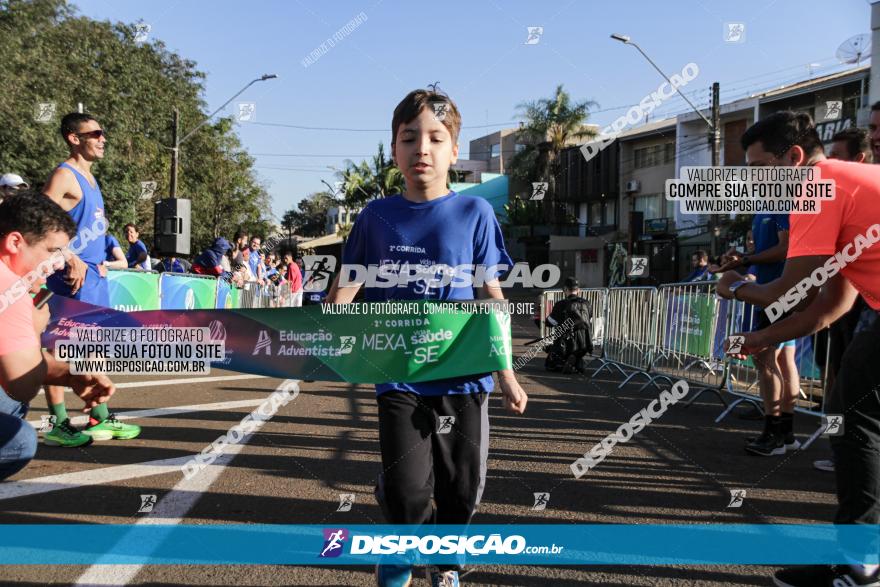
(834, 252)
(33, 228)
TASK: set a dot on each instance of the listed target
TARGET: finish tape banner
(404, 341)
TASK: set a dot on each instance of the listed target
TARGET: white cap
(12, 180)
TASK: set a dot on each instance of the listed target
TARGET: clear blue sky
(476, 50)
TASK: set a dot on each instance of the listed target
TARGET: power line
(727, 85)
(324, 128)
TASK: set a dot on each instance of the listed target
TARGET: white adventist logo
(264, 343)
(218, 331)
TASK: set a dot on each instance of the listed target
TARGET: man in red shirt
(874, 131)
(33, 229)
(293, 276)
(841, 235)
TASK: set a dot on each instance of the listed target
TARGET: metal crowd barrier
(545, 304)
(630, 331)
(284, 297)
(689, 339)
(677, 331)
(269, 295)
(597, 298)
(250, 295)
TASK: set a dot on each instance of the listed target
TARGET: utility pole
(714, 124)
(715, 143)
(175, 152)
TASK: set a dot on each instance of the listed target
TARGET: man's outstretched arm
(834, 300)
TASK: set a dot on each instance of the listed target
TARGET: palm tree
(344, 230)
(370, 180)
(386, 176)
(356, 179)
(550, 125)
(288, 222)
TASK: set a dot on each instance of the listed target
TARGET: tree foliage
(51, 55)
(370, 180)
(310, 216)
(550, 125)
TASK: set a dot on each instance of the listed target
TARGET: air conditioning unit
(633, 185)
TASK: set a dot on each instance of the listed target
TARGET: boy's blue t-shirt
(451, 230)
(765, 229)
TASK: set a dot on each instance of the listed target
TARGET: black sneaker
(791, 443)
(767, 445)
(824, 576)
(826, 465)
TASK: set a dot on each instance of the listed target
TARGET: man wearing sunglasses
(84, 276)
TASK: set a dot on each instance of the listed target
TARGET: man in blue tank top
(84, 276)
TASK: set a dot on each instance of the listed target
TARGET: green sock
(100, 412)
(59, 411)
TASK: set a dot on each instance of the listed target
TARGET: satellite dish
(854, 49)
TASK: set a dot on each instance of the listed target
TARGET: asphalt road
(325, 442)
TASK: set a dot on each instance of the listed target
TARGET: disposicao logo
(333, 542)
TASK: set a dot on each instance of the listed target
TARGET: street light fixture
(714, 130)
(175, 150)
(332, 189)
(626, 41)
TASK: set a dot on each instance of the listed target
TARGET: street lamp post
(175, 150)
(331, 188)
(714, 124)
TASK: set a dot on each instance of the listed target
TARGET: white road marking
(132, 414)
(170, 510)
(38, 485)
(160, 382)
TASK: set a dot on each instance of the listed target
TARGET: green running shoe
(66, 434)
(113, 428)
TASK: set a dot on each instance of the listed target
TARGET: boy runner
(429, 223)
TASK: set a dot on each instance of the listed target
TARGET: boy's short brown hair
(416, 101)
